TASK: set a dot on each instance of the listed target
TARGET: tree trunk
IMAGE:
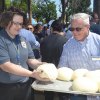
(2, 5)
(97, 7)
(63, 15)
(29, 10)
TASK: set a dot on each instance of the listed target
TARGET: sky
(57, 2)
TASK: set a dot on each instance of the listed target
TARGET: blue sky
(57, 2)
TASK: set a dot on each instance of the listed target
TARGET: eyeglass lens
(17, 23)
(29, 28)
(77, 29)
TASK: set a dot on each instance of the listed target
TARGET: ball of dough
(98, 81)
(48, 70)
(84, 84)
(79, 73)
(95, 76)
(65, 74)
(98, 78)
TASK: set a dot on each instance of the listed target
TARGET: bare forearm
(34, 63)
(15, 69)
(18, 70)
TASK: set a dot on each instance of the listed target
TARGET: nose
(75, 32)
(20, 25)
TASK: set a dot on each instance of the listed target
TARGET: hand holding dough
(48, 70)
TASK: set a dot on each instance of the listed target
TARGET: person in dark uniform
(15, 57)
(51, 48)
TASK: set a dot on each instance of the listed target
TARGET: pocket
(95, 58)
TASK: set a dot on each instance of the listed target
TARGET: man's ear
(88, 26)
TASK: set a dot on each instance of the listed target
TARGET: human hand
(36, 74)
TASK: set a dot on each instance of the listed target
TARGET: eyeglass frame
(17, 23)
(29, 28)
(78, 29)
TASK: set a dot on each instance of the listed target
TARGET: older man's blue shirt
(85, 54)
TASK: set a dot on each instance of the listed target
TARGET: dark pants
(31, 81)
(64, 96)
(78, 97)
(32, 90)
(16, 91)
(50, 95)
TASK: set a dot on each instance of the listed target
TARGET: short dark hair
(57, 26)
(15, 9)
(7, 17)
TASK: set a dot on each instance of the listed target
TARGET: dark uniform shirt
(17, 51)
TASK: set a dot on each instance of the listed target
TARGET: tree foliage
(76, 6)
(22, 4)
(73, 6)
(2, 5)
(97, 7)
(45, 10)
(41, 9)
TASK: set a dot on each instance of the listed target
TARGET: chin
(78, 39)
(17, 32)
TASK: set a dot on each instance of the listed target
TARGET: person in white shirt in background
(29, 37)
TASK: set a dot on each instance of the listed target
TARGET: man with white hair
(80, 50)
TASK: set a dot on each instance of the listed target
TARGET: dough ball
(48, 70)
(79, 73)
(95, 76)
(65, 74)
(84, 84)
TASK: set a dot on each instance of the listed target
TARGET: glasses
(17, 23)
(77, 29)
(29, 28)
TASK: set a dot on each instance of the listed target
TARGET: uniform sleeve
(4, 55)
